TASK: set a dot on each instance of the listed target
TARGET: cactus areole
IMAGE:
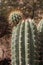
(24, 44)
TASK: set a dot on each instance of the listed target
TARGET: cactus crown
(15, 17)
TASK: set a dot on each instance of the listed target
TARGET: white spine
(26, 44)
(13, 46)
(20, 62)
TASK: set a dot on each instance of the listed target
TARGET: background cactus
(25, 44)
(15, 17)
(40, 37)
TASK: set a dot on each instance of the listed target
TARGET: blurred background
(30, 8)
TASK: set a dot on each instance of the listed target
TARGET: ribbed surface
(40, 38)
(25, 44)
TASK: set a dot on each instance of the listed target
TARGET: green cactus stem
(25, 44)
(40, 37)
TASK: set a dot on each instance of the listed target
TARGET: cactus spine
(24, 44)
(40, 37)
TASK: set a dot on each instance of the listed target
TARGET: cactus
(40, 26)
(40, 37)
(15, 17)
(25, 44)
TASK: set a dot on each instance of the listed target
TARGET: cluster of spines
(15, 17)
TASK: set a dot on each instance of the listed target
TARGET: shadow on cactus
(15, 17)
